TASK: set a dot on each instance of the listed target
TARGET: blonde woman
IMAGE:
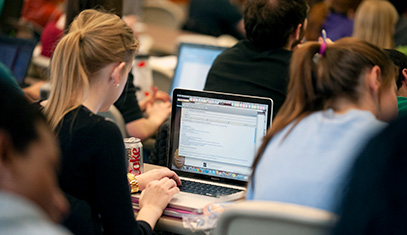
(375, 22)
(88, 72)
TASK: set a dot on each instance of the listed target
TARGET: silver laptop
(194, 62)
(214, 138)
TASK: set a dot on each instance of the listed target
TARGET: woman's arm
(110, 177)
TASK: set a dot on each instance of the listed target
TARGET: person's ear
(117, 72)
(373, 78)
(297, 32)
(404, 72)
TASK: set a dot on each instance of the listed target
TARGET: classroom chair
(163, 13)
(266, 217)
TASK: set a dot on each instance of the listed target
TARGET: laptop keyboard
(206, 189)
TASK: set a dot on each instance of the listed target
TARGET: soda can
(134, 152)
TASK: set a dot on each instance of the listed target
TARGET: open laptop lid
(215, 136)
(16, 55)
(194, 62)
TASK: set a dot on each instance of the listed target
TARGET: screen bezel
(191, 45)
(214, 95)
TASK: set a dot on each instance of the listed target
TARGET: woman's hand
(155, 198)
(156, 174)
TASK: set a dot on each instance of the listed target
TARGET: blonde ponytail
(94, 40)
(69, 80)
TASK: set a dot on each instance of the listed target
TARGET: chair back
(163, 13)
(114, 115)
(265, 217)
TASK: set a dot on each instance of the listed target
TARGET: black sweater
(245, 69)
(93, 169)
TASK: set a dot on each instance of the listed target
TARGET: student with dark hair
(339, 95)
(215, 17)
(259, 65)
(400, 60)
(30, 199)
(376, 194)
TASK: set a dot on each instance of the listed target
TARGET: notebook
(194, 62)
(213, 140)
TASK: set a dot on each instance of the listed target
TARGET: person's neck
(290, 43)
(95, 99)
(288, 47)
(402, 91)
(343, 105)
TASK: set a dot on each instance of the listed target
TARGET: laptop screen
(16, 55)
(194, 62)
(217, 134)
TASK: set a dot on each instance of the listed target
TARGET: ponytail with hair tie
(316, 82)
(81, 34)
(322, 49)
(95, 40)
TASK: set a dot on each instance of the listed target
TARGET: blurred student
(375, 22)
(54, 30)
(335, 16)
(98, 52)
(400, 60)
(41, 12)
(258, 65)
(30, 92)
(30, 199)
(376, 196)
(215, 17)
(400, 35)
(339, 96)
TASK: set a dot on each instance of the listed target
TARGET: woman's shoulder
(81, 120)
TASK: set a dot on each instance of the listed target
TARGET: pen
(324, 35)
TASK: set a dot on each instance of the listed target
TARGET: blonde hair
(375, 22)
(316, 83)
(95, 39)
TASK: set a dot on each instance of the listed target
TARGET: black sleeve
(377, 186)
(112, 189)
(127, 103)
